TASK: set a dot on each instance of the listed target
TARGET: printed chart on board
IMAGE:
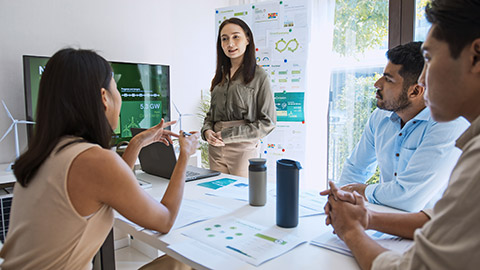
(281, 31)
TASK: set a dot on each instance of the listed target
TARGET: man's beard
(399, 104)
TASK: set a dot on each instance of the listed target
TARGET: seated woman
(69, 181)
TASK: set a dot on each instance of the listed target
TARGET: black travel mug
(287, 192)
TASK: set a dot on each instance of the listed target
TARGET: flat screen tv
(145, 91)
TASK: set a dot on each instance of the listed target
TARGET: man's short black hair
(410, 57)
(457, 22)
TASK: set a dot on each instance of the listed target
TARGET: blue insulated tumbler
(287, 193)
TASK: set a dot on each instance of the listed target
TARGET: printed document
(191, 211)
(244, 240)
(331, 241)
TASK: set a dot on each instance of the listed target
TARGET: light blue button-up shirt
(415, 161)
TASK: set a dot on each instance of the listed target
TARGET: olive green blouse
(234, 100)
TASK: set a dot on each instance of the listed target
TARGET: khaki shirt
(235, 100)
(451, 239)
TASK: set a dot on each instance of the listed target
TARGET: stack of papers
(191, 211)
(236, 189)
(207, 256)
(311, 203)
(244, 240)
(216, 184)
(331, 241)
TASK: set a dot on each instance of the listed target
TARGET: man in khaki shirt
(448, 236)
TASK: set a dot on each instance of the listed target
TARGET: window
(421, 23)
(359, 45)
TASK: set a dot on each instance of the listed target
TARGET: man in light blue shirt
(415, 154)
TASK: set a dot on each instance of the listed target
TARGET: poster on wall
(295, 14)
(289, 106)
(286, 76)
(266, 17)
(243, 12)
(281, 30)
(288, 44)
(287, 141)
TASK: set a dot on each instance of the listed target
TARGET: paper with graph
(244, 240)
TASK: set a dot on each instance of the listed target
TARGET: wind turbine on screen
(14, 124)
(180, 115)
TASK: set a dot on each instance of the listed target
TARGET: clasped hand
(358, 187)
(345, 210)
(214, 138)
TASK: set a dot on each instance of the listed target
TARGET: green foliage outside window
(421, 4)
(357, 95)
(360, 25)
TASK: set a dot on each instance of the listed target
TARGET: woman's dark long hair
(223, 62)
(69, 103)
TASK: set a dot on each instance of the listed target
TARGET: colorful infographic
(282, 37)
(244, 240)
(290, 106)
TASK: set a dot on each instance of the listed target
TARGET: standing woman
(69, 181)
(242, 110)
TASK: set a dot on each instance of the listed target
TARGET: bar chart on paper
(244, 240)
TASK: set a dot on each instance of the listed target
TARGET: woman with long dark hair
(69, 181)
(242, 110)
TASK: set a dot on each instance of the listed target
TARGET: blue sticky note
(216, 184)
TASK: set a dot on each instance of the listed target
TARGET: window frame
(401, 22)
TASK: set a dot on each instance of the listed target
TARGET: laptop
(160, 160)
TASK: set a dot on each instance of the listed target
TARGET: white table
(305, 256)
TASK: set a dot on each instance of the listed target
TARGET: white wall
(177, 33)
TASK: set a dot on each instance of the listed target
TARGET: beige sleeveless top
(46, 232)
